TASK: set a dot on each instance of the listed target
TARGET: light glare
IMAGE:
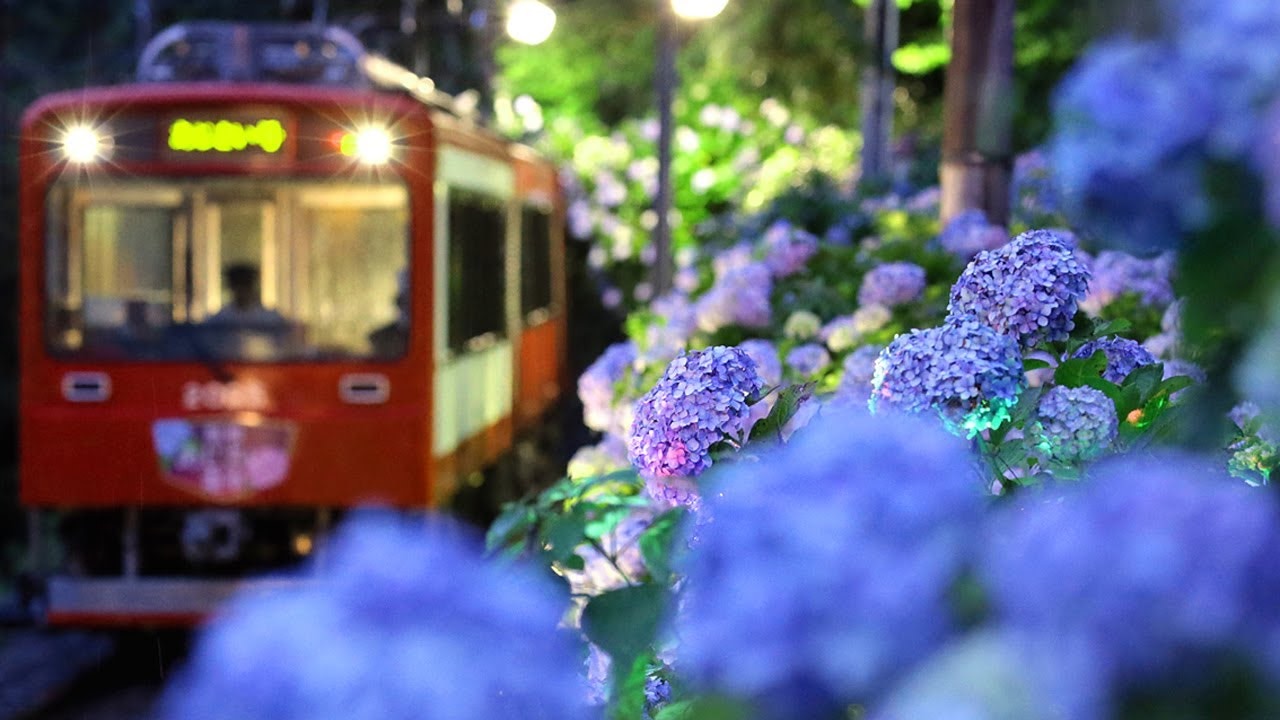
(698, 9)
(373, 146)
(530, 21)
(82, 144)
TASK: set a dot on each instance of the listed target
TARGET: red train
(273, 279)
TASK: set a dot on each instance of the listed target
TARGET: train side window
(477, 262)
(535, 258)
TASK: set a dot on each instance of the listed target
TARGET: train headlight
(82, 144)
(371, 146)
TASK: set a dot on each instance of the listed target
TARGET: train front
(225, 322)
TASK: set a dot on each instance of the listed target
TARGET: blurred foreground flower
(826, 569)
(407, 621)
(1160, 568)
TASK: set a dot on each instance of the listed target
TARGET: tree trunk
(877, 87)
(977, 140)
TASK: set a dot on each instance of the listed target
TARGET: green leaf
(624, 622)
(628, 689)
(1111, 327)
(1077, 371)
(921, 58)
(1145, 380)
(1174, 384)
(1034, 364)
(512, 527)
(705, 708)
(789, 400)
(562, 534)
(655, 544)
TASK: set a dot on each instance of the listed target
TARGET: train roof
(281, 53)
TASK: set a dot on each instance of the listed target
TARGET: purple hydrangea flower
(765, 356)
(700, 400)
(1123, 356)
(892, 284)
(1126, 150)
(675, 320)
(596, 385)
(787, 248)
(673, 491)
(969, 233)
(740, 297)
(1155, 565)
(1027, 289)
(1074, 425)
(405, 620)
(859, 368)
(733, 258)
(1116, 273)
(807, 605)
(967, 373)
(808, 359)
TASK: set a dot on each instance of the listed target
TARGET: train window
(230, 269)
(535, 258)
(477, 269)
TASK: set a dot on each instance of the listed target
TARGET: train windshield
(228, 270)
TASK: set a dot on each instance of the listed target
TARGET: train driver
(245, 308)
(390, 340)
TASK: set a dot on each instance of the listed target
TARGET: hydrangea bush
(1002, 537)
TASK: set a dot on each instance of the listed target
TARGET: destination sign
(266, 135)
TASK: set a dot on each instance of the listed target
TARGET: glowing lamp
(530, 21)
(698, 9)
(82, 145)
(371, 146)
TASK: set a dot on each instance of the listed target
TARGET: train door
(473, 384)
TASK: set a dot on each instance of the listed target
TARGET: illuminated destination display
(226, 136)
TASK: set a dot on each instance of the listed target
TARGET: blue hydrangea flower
(1126, 150)
(596, 386)
(808, 359)
(657, 694)
(740, 297)
(1035, 190)
(1027, 289)
(967, 373)
(1123, 356)
(1116, 273)
(700, 400)
(892, 284)
(787, 248)
(405, 620)
(969, 233)
(806, 605)
(1233, 43)
(1074, 424)
(1154, 564)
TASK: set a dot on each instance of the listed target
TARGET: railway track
(50, 674)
